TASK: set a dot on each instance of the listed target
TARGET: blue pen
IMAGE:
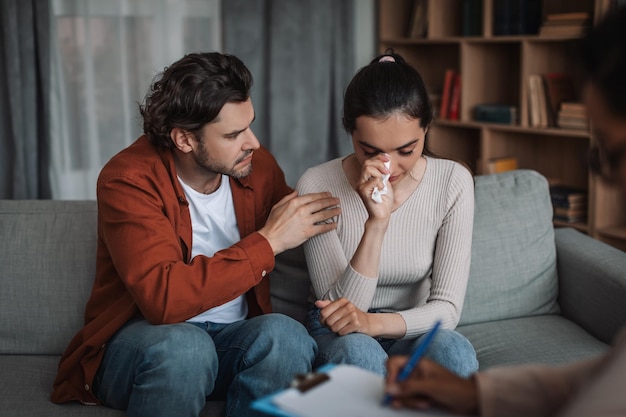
(419, 351)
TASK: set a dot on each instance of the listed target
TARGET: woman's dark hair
(191, 92)
(603, 57)
(387, 85)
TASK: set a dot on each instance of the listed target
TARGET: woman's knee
(452, 350)
(355, 349)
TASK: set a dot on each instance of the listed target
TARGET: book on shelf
(497, 165)
(574, 108)
(577, 123)
(472, 17)
(495, 113)
(455, 97)
(567, 196)
(516, 17)
(567, 16)
(537, 102)
(446, 93)
(566, 219)
(435, 102)
(559, 87)
(570, 214)
(566, 212)
(418, 24)
(565, 24)
(573, 115)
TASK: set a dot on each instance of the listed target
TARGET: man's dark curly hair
(191, 92)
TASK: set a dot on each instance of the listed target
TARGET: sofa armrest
(592, 283)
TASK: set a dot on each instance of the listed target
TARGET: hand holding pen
(428, 384)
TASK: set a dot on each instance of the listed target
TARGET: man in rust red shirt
(190, 217)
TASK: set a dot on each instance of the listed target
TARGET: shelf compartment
(490, 73)
(561, 159)
(454, 141)
(431, 70)
(394, 19)
(614, 236)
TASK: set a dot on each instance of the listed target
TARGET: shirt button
(263, 273)
(86, 387)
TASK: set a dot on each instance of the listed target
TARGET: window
(105, 54)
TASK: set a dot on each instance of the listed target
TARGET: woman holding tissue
(400, 256)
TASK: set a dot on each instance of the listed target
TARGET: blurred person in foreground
(594, 387)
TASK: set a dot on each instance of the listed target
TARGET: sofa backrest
(513, 271)
(47, 252)
(48, 261)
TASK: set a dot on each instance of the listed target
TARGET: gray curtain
(301, 54)
(24, 109)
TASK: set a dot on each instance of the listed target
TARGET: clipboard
(336, 390)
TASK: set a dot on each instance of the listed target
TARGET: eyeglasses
(606, 164)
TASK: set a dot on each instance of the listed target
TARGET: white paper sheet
(350, 392)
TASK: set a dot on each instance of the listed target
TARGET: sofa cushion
(513, 270)
(547, 339)
(48, 253)
(26, 382)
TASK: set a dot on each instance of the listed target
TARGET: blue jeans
(171, 370)
(448, 348)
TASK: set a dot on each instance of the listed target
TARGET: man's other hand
(294, 219)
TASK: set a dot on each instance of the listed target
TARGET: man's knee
(283, 333)
(183, 349)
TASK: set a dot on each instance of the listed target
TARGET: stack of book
(573, 115)
(546, 93)
(569, 203)
(565, 24)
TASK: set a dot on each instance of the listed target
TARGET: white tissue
(377, 195)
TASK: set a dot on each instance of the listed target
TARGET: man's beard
(203, 160)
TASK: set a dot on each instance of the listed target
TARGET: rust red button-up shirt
(144, 264)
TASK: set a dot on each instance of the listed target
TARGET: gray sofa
(535, 294)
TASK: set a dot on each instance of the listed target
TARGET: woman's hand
(343, 317)
(372, 172)
(429, 385)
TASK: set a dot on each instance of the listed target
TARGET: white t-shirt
(214, 227)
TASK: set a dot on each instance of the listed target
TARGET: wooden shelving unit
(496, 69)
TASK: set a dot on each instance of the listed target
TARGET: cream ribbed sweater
(426, 251)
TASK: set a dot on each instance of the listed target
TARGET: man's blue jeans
(171, 370)
(448, 348)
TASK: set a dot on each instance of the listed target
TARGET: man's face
(225, 146)
(610, 133)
